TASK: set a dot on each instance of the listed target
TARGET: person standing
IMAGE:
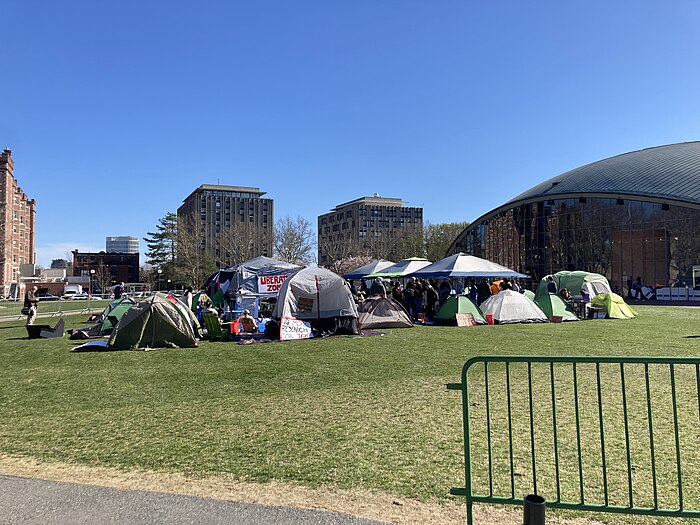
(187, 297)
(30, 304)
(551, 286)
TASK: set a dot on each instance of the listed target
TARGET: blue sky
(116, 111)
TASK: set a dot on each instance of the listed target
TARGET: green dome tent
(552, 305)
(614, 305)
(157, 322)
(529, 294)
(113, 314)
(458, 304)
(593, 283)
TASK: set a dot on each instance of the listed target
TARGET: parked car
(76, 296)
(48, 297)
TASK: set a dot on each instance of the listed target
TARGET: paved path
(30, 501)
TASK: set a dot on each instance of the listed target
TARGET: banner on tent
(270, 283)
(291, 329)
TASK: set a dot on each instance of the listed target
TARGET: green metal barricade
(602, 434)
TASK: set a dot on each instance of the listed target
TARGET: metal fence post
(534, 507)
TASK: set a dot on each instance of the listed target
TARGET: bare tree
(192, 264)
(149, 275)
(238, 243)
(439, 237)
(103, 277)
(294, 240)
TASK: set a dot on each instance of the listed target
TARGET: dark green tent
(458, 304)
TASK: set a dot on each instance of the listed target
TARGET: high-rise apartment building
(122, 244)
(231, 223)
(372, 225)
(17, 221)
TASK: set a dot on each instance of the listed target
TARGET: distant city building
(123, 267)
(122, 244)
(17, 222)
(59, 263)
(235, 223)
(370, 224)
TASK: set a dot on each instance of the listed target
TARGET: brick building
(17, 223)
(123, 267)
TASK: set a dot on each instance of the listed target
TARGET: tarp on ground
(261, 275)
(461, 265)
(321, 297)
(553, 305)
(593, 283)
(383, 312)
(156, 322)
(512, 307)
(614, 305)
(363, 271)
(458, 304)
(402, 268)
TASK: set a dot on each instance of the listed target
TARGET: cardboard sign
(270, 283)
(291, 329)
(466, 320)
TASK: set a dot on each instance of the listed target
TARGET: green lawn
(350, 412)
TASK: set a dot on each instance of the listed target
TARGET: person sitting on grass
(247, 322)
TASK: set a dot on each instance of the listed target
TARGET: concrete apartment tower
(17, 222)
(232, 223)
(367, 224)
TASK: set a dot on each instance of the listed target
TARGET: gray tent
(157, 322)
(383, 312)
(321, 297)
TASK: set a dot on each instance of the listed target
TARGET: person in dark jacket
(431, 301)
(397, 292)
(30, 304)
(483, 291)
(378, 288)
(409, 299)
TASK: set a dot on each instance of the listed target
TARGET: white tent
(461, 265)
(316, 294)
(363, 271)
(402, 268)
(383, 312)
(512, 307)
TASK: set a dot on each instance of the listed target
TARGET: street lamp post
(159, 273)
(92, 273)
(169, 281)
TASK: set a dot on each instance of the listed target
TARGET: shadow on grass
(692, 336)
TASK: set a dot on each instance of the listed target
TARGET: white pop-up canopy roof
(463, 265)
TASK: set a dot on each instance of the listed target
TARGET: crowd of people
(422, 298)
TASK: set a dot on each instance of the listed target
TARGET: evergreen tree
(162, 244)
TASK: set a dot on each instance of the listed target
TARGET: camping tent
(458, 304)
(321, 297)
(614, 305)
(383, 312)
(462, 265)
(262, 276)
(553, 305)
(113, 313)
(512, 307)
(156, 322)
(401, 268)
(529, 294)
(593, 283)
(363, 271)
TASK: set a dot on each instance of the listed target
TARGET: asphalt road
(29, 501)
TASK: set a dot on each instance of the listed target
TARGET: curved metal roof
(670, 172)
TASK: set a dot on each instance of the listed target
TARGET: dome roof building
(628, 216)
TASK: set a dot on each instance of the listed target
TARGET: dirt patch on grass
(377, 506)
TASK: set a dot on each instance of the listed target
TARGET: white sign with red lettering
(270, 283)
(291, 328)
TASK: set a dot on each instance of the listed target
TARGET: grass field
(352, 412)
